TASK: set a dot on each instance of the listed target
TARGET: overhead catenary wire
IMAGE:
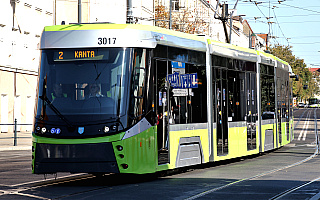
(300, 8)
(275, 16)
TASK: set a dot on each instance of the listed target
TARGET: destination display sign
(64, 55)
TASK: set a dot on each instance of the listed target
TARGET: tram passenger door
(162, 105)
(280, 109)
(251, 110)
(280, 114)
(222, 111)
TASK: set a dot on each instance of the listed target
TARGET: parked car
(313, 105)
(301, 105)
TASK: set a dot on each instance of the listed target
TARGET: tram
(140, 99)
(313, 102)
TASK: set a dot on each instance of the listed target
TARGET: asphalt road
(291, 172)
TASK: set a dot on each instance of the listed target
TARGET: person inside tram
(94, 91)
(57, 92)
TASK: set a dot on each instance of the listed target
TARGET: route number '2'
(105, 40)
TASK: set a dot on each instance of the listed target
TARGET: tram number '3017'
(106, 40)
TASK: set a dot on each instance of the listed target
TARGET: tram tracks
(99, 183)
(291, 190)
(22, 188)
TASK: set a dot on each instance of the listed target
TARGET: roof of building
(314, 69)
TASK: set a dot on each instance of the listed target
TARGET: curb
(15, 148)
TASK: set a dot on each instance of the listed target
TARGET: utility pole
(129, 12)
(231, 21)
(13, 5)
(170, 14)
(224, 18)
(79, 11)
(55, 12)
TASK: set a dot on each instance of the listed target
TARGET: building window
(175, 5)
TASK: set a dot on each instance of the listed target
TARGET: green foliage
(299, 68)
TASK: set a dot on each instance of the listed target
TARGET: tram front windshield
(83, 85)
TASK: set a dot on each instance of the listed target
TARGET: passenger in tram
(95, 91)
(59, 98)
(57, 92)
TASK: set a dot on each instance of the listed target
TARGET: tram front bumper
(75, 158)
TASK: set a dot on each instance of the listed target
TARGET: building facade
(201, 17)
(21, 24)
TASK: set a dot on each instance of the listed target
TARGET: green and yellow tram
(140, 99)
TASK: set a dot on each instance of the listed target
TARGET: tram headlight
(106, 129)
(120, 148)
(43, 129)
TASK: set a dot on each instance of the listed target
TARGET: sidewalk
(24, 141)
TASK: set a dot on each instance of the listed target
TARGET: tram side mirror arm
(295, 77)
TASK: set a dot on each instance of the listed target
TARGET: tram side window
(177, 54)
(198, 102)
(235, 86)
(160, 51)
(138, 82)
(196, 57)
(219, 61)
(267, 92)
(189, 105)
(234, 96)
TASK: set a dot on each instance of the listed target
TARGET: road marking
(303, 131)
(279, 196)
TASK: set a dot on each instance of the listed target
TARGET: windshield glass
(83, 85)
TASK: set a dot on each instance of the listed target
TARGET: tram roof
(121, 35)
(267, 57)
(232, 51)
(143, 36)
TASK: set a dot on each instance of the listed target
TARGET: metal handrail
(15, 130)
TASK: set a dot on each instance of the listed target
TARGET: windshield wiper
(56, 111)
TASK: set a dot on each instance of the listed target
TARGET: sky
(291, 22)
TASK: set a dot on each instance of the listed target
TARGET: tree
(299, 68)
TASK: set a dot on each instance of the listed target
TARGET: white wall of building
(19, 58)
(108, 11)
(116, 11)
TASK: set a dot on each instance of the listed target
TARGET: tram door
(222, 111)
(287, 108)
(162, 105)
(279, 112)
(251, 110)
(279, 121)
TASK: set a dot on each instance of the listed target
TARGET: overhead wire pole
(55, 12)
(129, 12)
(269, 23)
(231, 20)
(79, 11)
(170, 13)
